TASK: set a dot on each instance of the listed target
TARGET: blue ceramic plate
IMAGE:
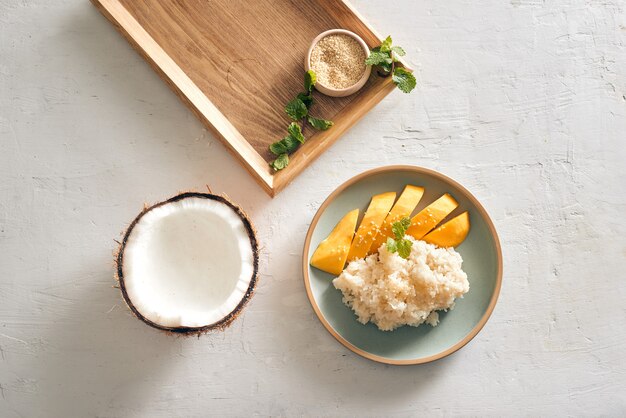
(482, 261)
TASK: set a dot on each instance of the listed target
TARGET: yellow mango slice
(408, 200)
(330, 256)
(370, 225)
(450, 234)
(431, 215)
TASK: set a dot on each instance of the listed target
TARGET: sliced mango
(408, 200)
(431, 215)
(450, 234)
(330, 255)
(370, 225)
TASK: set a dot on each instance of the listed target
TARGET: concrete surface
(522, 101)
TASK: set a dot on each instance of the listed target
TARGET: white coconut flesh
(188, 263)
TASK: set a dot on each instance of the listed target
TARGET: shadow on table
(337, 372)
(97, 355)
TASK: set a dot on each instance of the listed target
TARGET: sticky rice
(391, 291)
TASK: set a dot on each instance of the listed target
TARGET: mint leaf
(310, 78)
(386, 45)
(399, 228)
(386, 68)
(307, 99)
(320, 124)
(296, 109)
(401, 245)
(278, 148)
(295, 132)
(404, 80)
(291, 143)
(378, 58)
(280, 162)
(406, 223)
(404, 248)
(285, 145)
(398, 50)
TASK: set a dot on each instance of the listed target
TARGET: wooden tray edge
(187, 91)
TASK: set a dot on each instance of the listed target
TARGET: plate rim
(419, 170)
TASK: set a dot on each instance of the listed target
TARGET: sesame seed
(338, 61)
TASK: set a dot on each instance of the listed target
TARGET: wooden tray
(237, 63)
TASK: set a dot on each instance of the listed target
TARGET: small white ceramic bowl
(329, 91)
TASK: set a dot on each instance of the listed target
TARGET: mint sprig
(385, 57)
(400, 244)
(298, 110)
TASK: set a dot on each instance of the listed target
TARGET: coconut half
(188, 264)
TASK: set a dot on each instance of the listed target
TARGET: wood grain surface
(246, 60)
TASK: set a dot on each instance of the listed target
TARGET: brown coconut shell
(228, 319)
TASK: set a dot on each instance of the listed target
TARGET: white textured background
(522, 101)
